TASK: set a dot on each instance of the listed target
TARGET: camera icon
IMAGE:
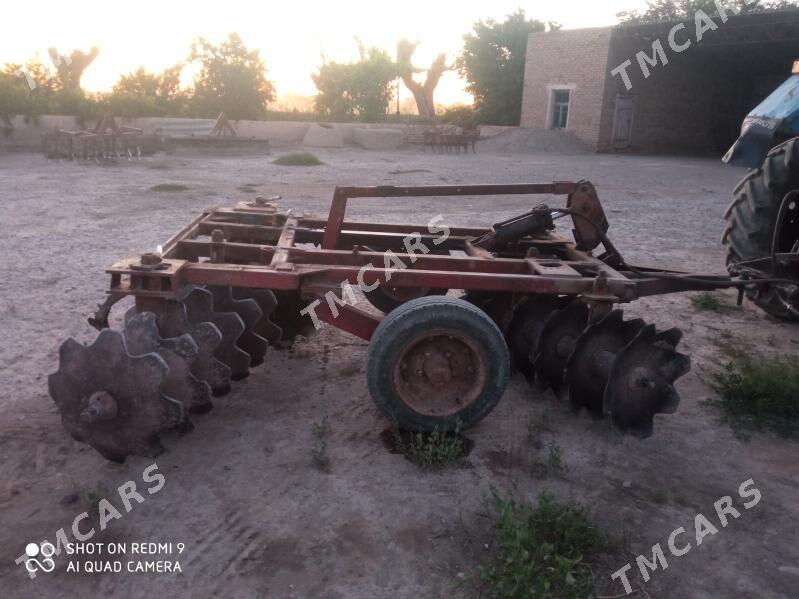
(46, 551)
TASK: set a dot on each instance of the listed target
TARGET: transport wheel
(387, 298)
(437, 363)
(752, 216)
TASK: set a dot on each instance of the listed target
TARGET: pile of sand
(534, 141)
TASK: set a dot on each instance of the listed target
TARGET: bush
(460, 115)
(542, 551)
(298, 159)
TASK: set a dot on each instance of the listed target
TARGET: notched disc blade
(267, 301)
(556, 343)
(199, 305)
(525, 329)
(173, 322)
(124, 391)
(180, 354)
(288, 317)
(251, 314)
(588, 367)
(641, 382)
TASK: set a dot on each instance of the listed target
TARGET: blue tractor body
(773, 122)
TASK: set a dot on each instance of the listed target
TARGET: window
(560, 108)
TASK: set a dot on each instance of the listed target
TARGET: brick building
(704, 76)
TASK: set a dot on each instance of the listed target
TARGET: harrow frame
(256, 246)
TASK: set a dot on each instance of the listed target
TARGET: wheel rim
(440, 372)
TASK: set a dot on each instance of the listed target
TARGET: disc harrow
(236, 281)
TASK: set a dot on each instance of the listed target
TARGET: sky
(292, 36)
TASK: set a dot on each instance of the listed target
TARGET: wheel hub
(440, 372)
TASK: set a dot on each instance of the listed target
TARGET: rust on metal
(440, 372)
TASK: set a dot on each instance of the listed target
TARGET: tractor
(762, 232)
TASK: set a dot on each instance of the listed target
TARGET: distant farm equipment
(106, 141)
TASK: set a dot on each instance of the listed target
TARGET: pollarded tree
(70, 68)
(674, 10)
(422, 92)
(232, 79)
(492, 62)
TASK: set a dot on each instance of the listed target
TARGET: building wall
(577, 60)
(675, 108)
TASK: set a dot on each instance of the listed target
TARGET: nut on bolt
(150, 259)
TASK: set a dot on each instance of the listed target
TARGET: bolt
(418, 373)
(150, 259)
(217, 236)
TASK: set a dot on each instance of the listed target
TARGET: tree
(232, 79)
(422, 92)
(148, 94)
(70, 68)
(675, 10)
(356, 90)
(492, 62)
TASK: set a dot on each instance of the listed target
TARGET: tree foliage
(492, 63)
(232, 79)
(148, 94)
(359, 90)
(674, 10)
(34, 88)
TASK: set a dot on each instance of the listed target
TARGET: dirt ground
(241, 491)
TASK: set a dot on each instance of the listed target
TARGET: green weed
(758, 394)
(541, 551)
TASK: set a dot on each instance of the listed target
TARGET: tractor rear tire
(752, 216)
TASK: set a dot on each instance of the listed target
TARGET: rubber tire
(751, 217)
(386, 303)
(419, 315)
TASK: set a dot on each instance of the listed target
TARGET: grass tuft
(93, 497)
(169, 187)
(541, 551)
(555, 464)
(711, 302)
(319, 455)
(759, 394)
(435, 449)
(298, 159)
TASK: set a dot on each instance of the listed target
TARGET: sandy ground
(241, 491)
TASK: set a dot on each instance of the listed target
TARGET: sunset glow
(292, 37)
